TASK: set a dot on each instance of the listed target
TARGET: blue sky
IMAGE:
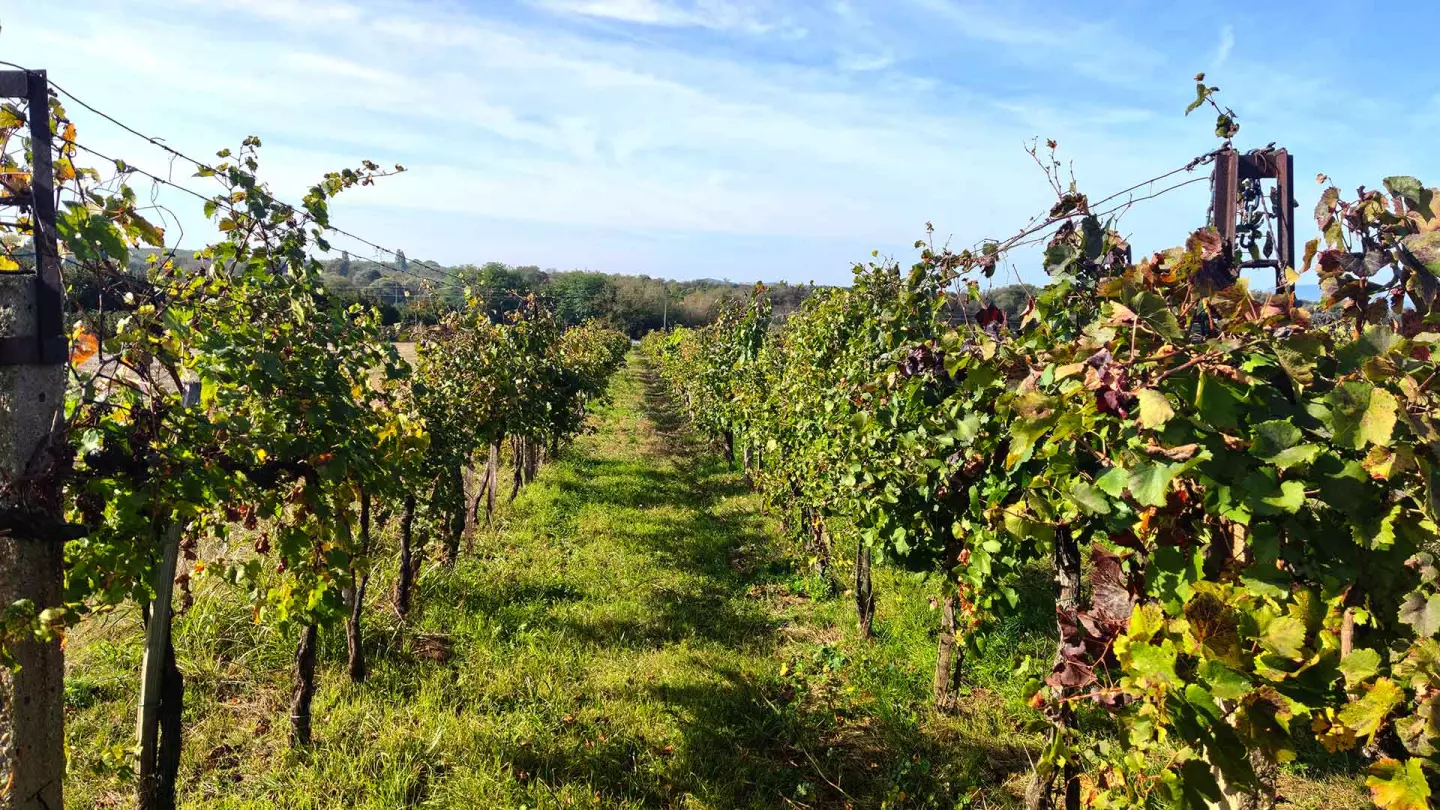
(735, 139)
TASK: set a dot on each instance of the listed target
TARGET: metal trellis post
(1260, 164)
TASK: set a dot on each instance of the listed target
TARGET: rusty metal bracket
(48, 345)
(1260, 164)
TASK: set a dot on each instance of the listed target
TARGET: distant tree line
(411, 292)
(636, 304)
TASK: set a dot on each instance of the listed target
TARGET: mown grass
(632, 635)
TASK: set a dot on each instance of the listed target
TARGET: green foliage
(301, 404)
(1259, 486)
(238, 398)
(632, 630)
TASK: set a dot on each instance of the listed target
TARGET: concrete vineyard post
(32, 391)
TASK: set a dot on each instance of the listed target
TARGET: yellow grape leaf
(1068, 370)
(1366, 715)
(83, 347)
(15, 181)
(1397, 786)
(1155, 409)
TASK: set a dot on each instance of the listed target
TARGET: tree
(338, 284)
(344, 268)
(401, 262)
(580, 296)
(386, 291)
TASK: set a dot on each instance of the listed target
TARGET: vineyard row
(1235, 496)
(234, 422)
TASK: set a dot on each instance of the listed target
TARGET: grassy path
(630, 636)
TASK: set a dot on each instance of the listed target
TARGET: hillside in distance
(411, 292)
(416, 291)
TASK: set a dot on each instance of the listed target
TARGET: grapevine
(305, 425)
(1252, 485)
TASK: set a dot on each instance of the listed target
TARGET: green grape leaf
(1266, 580)
(1420, 730)
(1298, 355)
(1217, 402)
(1113, 482)
(1274, 437)
(1198, 788)
(1090, 498)
(1405, 187)
(1296, 456)
(1024, 433)
(1421, 613)
(1224, 682)
(1265, 494)
(1155, 662)
(1145, 621)
(1359, 666)
(1200, 699)
(1158, 315)
(1284, 636)
(1150, 482)
(1376, 341)
(1171, 576)
(1290, 499)
(967, 429)
(1201, 94)
(1421, 665)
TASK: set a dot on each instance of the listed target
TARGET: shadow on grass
(750, 740)
(763, 742)
(753, 741)
(536, 593)
(748, 735)
(626, 484)
(676, 618)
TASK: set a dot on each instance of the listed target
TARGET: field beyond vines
(632, 634)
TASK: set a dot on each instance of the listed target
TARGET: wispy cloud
(1049, 39)
(675, 137)
(310, 13)
(646, 12)
(323, 63)
(717, 14)
(1222, 51)
(860, 62)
